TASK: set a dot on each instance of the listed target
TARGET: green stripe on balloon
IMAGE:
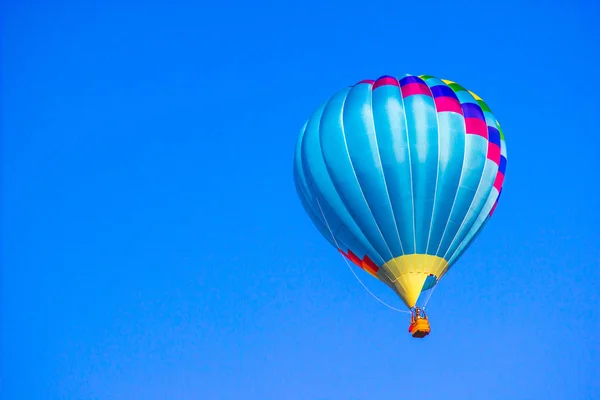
(484, 106)
(457, 88)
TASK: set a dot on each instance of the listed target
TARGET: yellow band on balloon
(409, 272)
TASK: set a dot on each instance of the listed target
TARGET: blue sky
(153, 246)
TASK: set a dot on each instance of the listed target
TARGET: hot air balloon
(400, 176)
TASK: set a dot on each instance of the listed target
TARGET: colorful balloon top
(401, 175)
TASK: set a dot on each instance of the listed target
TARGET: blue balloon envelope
(400, 175)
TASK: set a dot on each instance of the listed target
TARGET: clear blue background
(153, 246)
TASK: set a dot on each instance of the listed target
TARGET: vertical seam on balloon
(358, 240)
(350, 239)
(468, 209)
(384, 179)
(342, 126)
(462, 172)
(482, 212)
(336, 189)
(479, 230)
(464, 219)
(437, 173)
(311, 181)
(412, 190)
(359, 184)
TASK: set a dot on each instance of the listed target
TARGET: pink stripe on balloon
(476, 126)
(494, 153)
(386, 80)
(415, 88)
(499, 181)
(447, 104)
